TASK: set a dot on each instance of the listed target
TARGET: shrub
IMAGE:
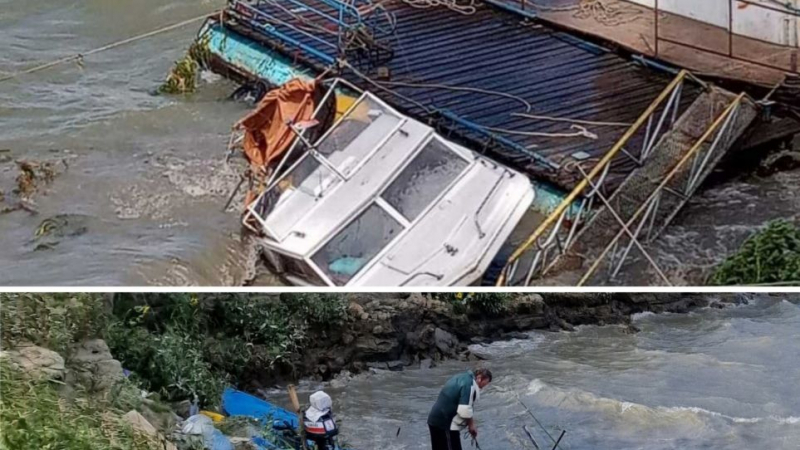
(55, 321)
(186, 345)
(771, 256)
(479, 303)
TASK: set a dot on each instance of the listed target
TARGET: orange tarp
(267, 134)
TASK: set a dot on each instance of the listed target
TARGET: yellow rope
(79, 57)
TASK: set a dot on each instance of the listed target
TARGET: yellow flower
(193, 300)
(459, 295)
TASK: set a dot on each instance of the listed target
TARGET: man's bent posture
(453, 411)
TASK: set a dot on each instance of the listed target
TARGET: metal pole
(563, 432)
(730, 28)
(655, 10)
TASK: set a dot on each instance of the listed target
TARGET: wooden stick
(296, 405)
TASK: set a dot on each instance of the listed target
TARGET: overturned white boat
(382, 200)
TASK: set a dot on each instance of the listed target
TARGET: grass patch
(54, 321)
(33, 417)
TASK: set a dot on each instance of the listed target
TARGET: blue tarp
(237, 403)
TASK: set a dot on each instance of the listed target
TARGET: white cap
(321, 404)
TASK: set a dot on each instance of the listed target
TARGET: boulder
(527, 304)
(160, 416)
(140, 424)
(355, 309)
(444, 341)
(93, 366)
(37, 362)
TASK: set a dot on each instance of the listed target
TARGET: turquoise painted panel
(251, 57)
(548, 197)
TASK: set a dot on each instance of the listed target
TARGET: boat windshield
(295, 194)
(344, 255)
(427, 176)
(359, 132)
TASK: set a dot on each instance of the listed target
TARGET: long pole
(296, 405)
(563, 432)
(655, 27)
(730, 28)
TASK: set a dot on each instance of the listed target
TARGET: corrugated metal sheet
(557, 74)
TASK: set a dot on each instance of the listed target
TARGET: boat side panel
(251, 57)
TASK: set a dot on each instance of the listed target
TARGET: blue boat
(282, 426)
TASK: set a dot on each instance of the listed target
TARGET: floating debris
(52, 230)
(183, 78)
(32, 175)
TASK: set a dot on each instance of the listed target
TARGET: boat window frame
(361, 210)
(271, 232)
(343, 179)
(431, 137)
(389, 209)
(381, 143)
(304, 258)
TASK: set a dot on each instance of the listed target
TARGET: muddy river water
(712, 379)
(142, 177)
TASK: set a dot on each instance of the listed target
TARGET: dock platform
(479, 77)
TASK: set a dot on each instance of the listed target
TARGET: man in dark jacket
(453, 410)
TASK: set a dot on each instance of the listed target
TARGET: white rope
(567, 120)
(580, 132)
(466, 8)
(79, 57)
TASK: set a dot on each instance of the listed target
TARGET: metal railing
(785, 10)
(556, 234)
(678, 184)
(703, 38)
(321, 28)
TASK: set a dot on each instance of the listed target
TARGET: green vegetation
(34, 416)
(54, 321)
(771, 256)
(177, 345)
(479, 303)
(183, 77)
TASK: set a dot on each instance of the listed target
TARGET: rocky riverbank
(61, 339)
(394, 332)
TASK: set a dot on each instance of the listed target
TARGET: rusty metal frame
(559, 231)
(700, 158)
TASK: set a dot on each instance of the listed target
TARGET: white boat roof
(385, 201)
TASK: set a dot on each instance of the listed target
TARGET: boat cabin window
(430, 172)
(295, 194)
(357, 135)
(344, 255)
(300, 269)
